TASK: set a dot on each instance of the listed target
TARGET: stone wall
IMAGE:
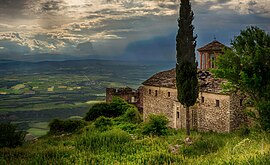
(157, 101)
(237, 115)
(160, 100)
(213, 117)
(212, 112)
(204, 116)
(128, 94)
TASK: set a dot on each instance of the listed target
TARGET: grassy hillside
(116, 146)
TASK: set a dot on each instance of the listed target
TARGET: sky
(117, 29)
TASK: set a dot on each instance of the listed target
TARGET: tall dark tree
(186, 68)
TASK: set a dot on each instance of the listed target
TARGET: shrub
(264, 117)
(157, 125)
(132, 115)
(96, 111)
(128, 127)
(9, 137)
(119, 106)
(65, 126)
(103, 123)
(114, 109)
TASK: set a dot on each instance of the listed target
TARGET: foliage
(114, 109)
(65, 126)
(117, 147)
(132, 115)
(187, 84)
(9, 137)
(103, 123)
(246, 66)
(186, 69)
(264, 113)
(202, 146)
(129, 127)
(112, 140)
(96, 111)
(156, 125)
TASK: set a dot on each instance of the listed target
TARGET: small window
(202, 99)
(177, 108)
(169, 94)
(241, 102)
(178, 115)
(133, 100)
(156, 93)
(150, 91)
(217, 103)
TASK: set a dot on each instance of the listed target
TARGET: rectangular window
(169, 94)
(217, 103)
(178, 115)
(241, 102)
(202, 99)
(156, 93)
(133, 100)
(177, 108)
(149, 91)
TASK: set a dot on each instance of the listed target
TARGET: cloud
(85, 48)
(107, 27)
(154, 49)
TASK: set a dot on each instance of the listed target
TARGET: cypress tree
(186, 68)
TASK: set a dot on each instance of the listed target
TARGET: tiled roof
(167, 79)
(214, 46)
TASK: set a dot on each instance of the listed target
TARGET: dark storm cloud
(52, 6)
(158, 48)
(85, 48)
(85, 27)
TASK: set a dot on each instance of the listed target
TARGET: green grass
(37, 132)
(116, 146)
(41, 125)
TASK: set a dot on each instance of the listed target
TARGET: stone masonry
(215, 110)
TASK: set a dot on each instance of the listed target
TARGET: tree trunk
(187, 122)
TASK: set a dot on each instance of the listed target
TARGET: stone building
(214, 111)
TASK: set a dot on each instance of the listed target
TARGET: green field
(40, 92)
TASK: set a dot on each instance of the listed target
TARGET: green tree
(246, 66)
(10, 137)
(186, 68)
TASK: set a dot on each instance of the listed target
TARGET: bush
(9, 137)
(157, 125)
(103, 123)
(114, 109)
(132, 115)
(128, 127)
(65, 126)
(96, 111)
(264, 117)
